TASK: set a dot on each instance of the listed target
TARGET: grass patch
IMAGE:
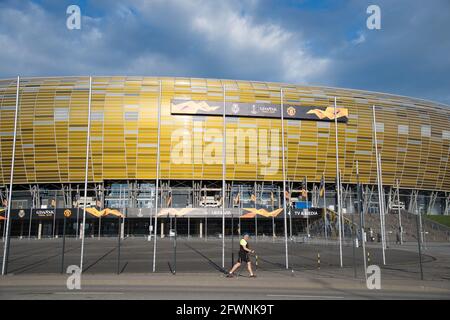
(445, 220)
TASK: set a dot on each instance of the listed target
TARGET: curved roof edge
(436, 103)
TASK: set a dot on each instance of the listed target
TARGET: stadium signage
(45, 213)
(310, 212)
(257, 110)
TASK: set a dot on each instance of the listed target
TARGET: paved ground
(193, 255)
(35, 265)
(284, 285)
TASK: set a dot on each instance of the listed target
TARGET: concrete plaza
(35, 266)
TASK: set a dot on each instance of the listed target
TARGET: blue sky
(297, 41)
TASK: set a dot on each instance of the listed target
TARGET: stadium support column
(339, 211)
(33, 203)
(380, 186)
(284, 180)
(54, 217)
(78, 212)
(88, 142)
(447, 204)
(240, 210)
(11, 178)
(224, 141)
(157, 177)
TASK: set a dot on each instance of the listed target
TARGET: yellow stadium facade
(189, 127)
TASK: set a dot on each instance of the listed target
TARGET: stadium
(211, 156)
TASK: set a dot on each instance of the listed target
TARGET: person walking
(244, 251)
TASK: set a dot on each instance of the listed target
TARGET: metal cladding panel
(413, 134)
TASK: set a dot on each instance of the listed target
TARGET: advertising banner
(258, 110)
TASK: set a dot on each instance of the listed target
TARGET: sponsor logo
(268, 109)
(21, 213)
(235, 108)
(67, 213)
(104, 212)
(262, 212)
(44, 213)
(291, 111)
(328, 113)
(192, 107)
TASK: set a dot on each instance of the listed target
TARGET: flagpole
(361, 227)
(290, 210)
(380, 187)
(383, 202)
(155, 233)
(88, 142)
(284, 181)
(399, 213)
(342, 214)
(256, 216)
(325, 206)
(11, 178)
(338, 183)
(307, 209)
(77, 230)
(223, 175)
(273, 209)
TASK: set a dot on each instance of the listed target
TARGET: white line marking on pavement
(304, 296)
(87, 292)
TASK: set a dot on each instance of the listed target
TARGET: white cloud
(360, 39)
(239, 39)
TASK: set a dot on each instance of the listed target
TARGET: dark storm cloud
(305, 42)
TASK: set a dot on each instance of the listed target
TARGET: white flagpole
(155, 233)
(307, 209)
(325, 206)
(383, 202)
(223, 175)
(284, 181)
(361, 227)
(399, 213)
(88, 142)
(380, 187)
(340, 198)
(11, 177)
(338, 184)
